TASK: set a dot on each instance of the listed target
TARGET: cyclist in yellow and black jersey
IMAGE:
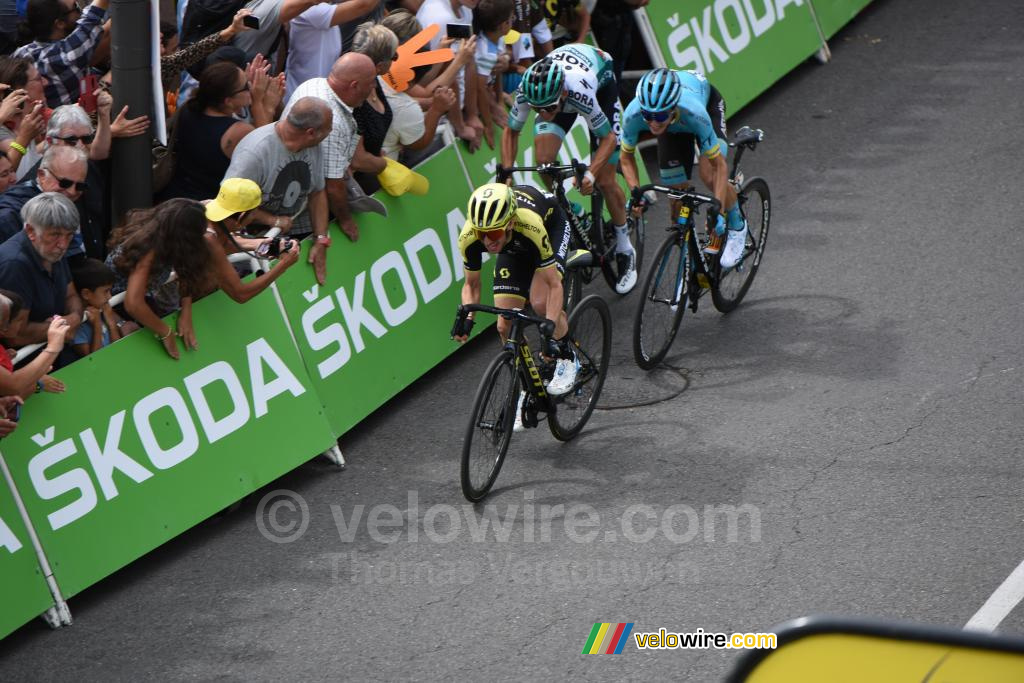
(529, 233)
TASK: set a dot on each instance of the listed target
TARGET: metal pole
(131, 64)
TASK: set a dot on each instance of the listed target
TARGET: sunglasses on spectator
(244, 88)
(547, 109)
(66, 183)
(73, 139)
(656, 116)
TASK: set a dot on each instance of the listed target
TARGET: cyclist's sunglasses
(73, 139)
(547, 109)
(492, 235)
(656, 116)
(66, 183)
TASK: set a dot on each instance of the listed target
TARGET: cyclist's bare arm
(553, 303)
(718, 182)
(603, 153)
(509, 146)
(629, 170)
(470, 295)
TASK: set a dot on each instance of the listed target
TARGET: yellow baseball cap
(236, 195)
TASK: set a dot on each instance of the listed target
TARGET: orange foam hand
(401, 73)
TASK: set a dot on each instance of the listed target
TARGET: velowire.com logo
(607, 639)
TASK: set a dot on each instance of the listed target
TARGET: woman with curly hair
(183, 236)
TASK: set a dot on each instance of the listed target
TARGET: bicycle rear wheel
(662, 302)
(732, 285)
(490, 427)
(590, 328)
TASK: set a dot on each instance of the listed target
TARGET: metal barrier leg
(334, 455)
(58, 615)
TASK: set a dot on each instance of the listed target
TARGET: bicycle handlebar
(674, 193)
(574, 168)
(547, 327)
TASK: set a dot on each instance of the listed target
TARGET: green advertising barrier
(742, 46)
(385, 316)
(834, 14)
(141, 447)
(23, 590)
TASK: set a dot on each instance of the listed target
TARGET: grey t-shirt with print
(286, 178)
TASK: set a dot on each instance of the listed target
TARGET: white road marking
(1000, 603)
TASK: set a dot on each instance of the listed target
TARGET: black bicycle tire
(644, 359)
(472, 492)
(567, 432)
(751, 188)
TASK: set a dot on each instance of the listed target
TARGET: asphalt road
(861, 413)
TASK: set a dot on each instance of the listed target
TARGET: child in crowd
(93, 280)
(494, 18)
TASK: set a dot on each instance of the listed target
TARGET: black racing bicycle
(516, 369)
(681, 272)
(590, 231)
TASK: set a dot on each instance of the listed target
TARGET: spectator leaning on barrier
(62, 170)
(64, 39)
(228, 215)
(150, 245)
(32, 265)
(351, 79)
(183, 236)
(286, 161)
(31, 377)
(373, 116)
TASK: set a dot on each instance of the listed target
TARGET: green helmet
(542, 83)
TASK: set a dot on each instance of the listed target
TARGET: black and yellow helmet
(491, 207)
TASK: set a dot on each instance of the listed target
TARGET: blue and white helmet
(658, 90)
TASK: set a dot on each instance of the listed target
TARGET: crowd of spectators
(279, 118)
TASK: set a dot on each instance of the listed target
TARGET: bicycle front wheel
(755, 202)
(490, 427)
(662, 302)
(590, 328)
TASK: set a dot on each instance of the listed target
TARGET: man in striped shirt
(65, 38)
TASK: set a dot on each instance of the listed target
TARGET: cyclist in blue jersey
(577, 79)
(681, 109)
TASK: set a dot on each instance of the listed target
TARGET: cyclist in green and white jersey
(572, 80)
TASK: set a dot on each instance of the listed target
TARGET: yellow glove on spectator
(397, 179)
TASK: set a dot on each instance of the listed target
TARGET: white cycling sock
(622, 243)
